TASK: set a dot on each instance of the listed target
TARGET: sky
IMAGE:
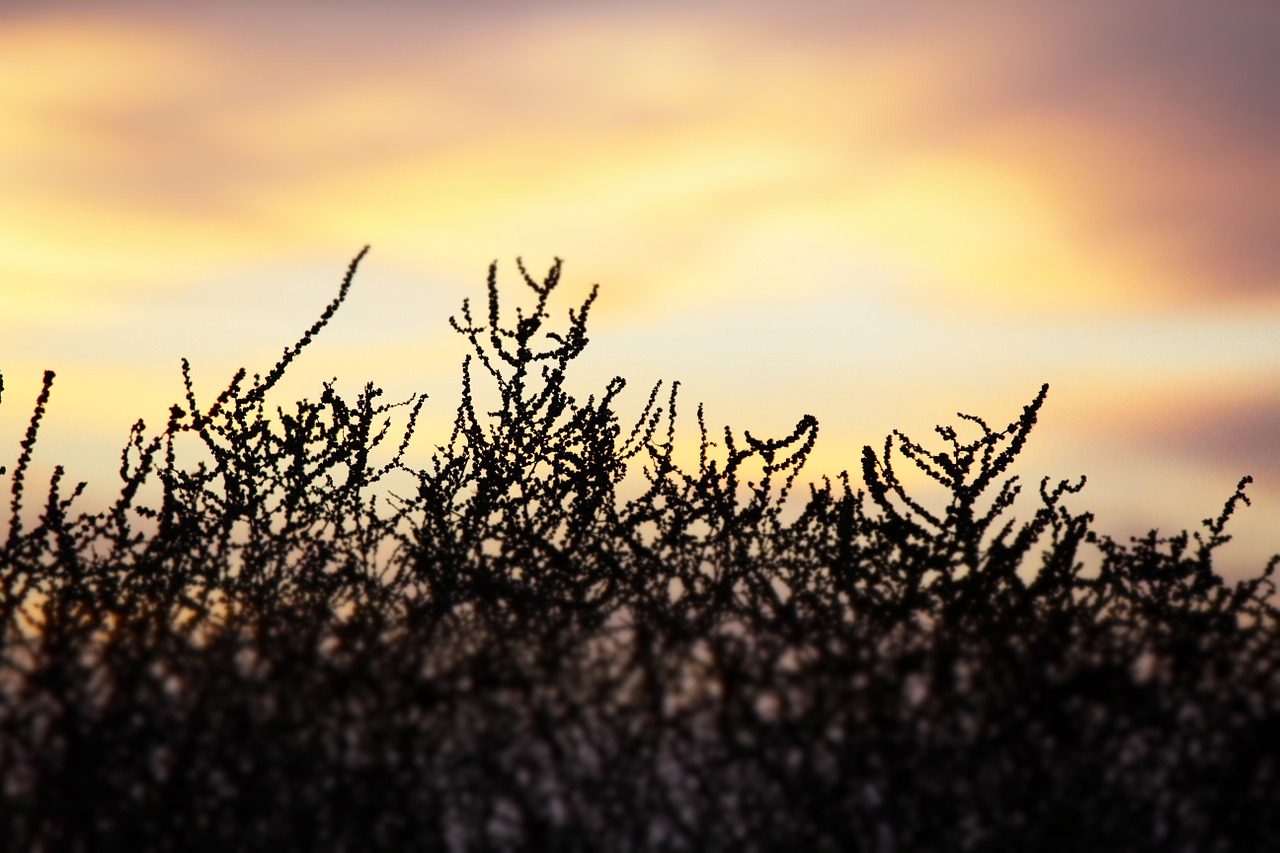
(880, 214)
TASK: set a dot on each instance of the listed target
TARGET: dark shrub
(283, 636)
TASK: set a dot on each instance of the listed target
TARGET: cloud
(1028, 159)
(1006, 159)
(1167, 133)
(1239, 433)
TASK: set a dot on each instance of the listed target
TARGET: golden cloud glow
(170, 156)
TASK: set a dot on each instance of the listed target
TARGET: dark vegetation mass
(284, 636)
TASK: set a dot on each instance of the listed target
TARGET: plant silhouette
(282, 635)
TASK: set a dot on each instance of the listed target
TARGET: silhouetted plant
(282, 635)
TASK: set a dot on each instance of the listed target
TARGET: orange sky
(877, 213)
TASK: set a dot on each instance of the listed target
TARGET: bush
(283, 636)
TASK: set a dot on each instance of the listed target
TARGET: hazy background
(878, 213)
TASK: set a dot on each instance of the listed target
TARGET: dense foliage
(284, 636)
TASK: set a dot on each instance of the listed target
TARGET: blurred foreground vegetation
(283, 636)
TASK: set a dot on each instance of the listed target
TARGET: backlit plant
(284, 635)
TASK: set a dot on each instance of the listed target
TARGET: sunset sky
(877, 213)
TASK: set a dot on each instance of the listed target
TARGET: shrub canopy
(282, 635)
